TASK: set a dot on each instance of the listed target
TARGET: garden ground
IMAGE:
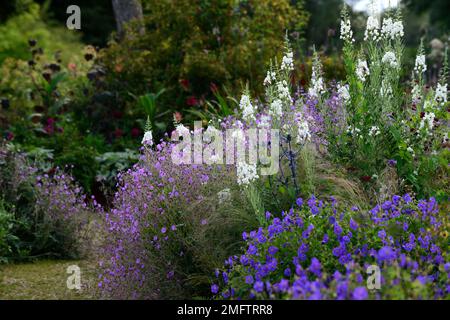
(44, 280)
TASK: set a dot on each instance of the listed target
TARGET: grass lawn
(45, 279)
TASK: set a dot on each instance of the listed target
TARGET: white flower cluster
(303, 133)
(392, 29)
(362, 70)
(271, 76)
(343, 93)
(354, 131)
(287, 64)
(147, 140)
(317, 86)
(374, 131)
(421, 65)
(182, 130)
(346, 31)
(246, 173)
(427, 122)
(390, 59)
(276, 109)
(441, 94)
(248, 111)
(283, 91)
(372, 29)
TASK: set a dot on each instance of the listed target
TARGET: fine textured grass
(46, 280)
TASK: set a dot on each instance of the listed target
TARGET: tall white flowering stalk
(303, 133)
(372, 32)
(441, 88)
(362, 70)
(147, 140)
(248, 110)
(420, 65)
(317, 85)
(346, 27)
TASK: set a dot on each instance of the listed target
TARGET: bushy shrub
(192, 46)
(319, 250)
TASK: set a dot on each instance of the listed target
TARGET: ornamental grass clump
(320, 250)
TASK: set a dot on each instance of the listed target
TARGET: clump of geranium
(170, 223)
(319, 250)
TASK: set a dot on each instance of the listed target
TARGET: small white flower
(374, 131)
(246, 173)
(441, 94)
(148, 138)
(270, 77)
(362, 70)
(248, 111)
(276, 109)
(182, 130)
(344, 94)
(421, 65)
(287, 64)
(390, 59)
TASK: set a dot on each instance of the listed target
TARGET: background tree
(126, 11)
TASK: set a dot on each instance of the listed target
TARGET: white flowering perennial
(441, 94)
(427, 122)
(303, 133)
(276, 109)
(390, 59)
(346, 31)
(147, 140)
(246, 173)
(362, 70)
(287, 64)
(374, 131)
(391, 29)
(372, 32)
(343, 93)
(248, 111)
(356, 132)
(317, 86)
(283, 91)
(421, 65)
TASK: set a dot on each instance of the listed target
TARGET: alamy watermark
(374, 278)
(74, 20)
(233, 146)
(74, 280)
